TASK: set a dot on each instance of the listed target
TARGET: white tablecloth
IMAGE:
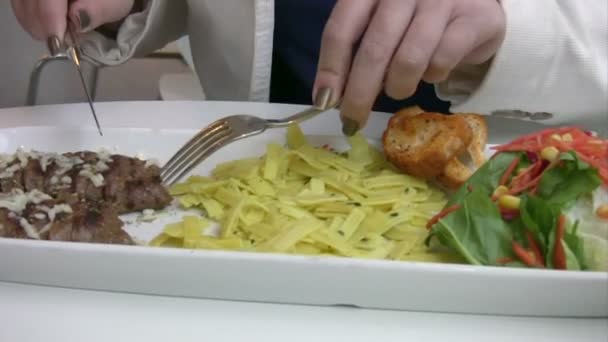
(36, 313)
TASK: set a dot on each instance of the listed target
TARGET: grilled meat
(92, 189)
(90, 222)
(130, 184)
(35, 215)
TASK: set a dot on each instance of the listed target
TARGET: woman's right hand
(45, 18)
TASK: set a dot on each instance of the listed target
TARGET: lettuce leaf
(564, 184)
(476, 230)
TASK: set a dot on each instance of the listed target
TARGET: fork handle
(322, 104)
(296, 118)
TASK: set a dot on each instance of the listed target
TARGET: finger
(20, 13)
(343, 28)
(459, 39)
(417, 48)
(26, 12)
(53, 17)
(381, 38)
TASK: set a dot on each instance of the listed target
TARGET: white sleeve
(553, 59)
(161, 22)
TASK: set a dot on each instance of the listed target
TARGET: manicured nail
(323, 98)
(54, 45)
(84, 19)
(349, 126)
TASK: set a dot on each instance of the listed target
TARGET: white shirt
(554, 57)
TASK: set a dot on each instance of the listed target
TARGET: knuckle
(410, 61)
(333, 36)
(357, 98)
(375, 51)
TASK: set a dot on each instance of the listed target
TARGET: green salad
(540, 202)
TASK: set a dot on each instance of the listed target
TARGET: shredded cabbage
(310, 200)
(591, 228)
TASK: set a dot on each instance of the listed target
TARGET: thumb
(90, 14)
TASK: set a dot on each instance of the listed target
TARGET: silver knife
(73, 53)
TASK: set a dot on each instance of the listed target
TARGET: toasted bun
(423, 144)
(448, 148)
(458, 170)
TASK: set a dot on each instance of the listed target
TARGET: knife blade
(73, 53)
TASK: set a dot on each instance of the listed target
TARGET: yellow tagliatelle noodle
(302, 199)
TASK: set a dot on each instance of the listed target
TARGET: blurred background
(164, 75)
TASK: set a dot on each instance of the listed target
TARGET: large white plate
(157, 129)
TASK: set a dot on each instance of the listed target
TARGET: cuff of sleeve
(525, 52)
(106, 50)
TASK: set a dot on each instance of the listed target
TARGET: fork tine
(186, 149)
(200, 150)
(195, 148)
(198, 158)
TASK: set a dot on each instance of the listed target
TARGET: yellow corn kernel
(501, 190)
(509, 201)
(567, 137)
(556, 137)
(549, 153)
(602, 211)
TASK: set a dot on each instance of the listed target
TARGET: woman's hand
(45, 18)
(401, 43)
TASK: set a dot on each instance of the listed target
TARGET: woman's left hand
(401, 43)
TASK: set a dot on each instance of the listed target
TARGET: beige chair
(39, 67)
(185, 85)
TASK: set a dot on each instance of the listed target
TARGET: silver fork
(229, 129)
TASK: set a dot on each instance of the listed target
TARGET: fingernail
(349, 126)
(323, 98)
(84, 19)
(54, 45)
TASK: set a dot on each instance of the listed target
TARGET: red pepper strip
(540, 260)
(527, 175)
(532, 184)
(505, 260)
(543, 133)
(535, 141)
(534, 189)
(505, 176)
(590, 149)
(520, 182)
(525, 256)
(441, 215)
(559, 256)
(523, 187)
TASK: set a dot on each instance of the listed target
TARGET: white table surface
(38, 313)
(33, 313)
